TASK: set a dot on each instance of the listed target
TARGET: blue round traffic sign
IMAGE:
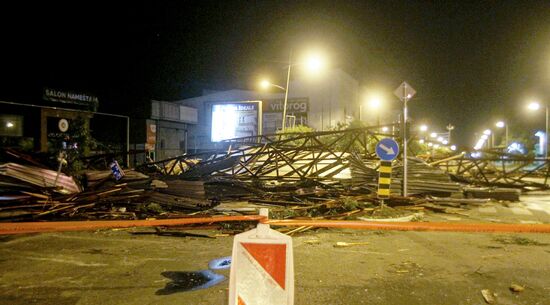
(387, 149)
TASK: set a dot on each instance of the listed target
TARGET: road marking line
(521, 211)
(487, 210)
(539, 207)
(533, 222)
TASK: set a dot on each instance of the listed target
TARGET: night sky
(470, 62)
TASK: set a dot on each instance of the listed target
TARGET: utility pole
(450, 128)
(404, 92)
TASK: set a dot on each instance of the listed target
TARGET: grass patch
(518, 240)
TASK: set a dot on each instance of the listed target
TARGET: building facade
(320, 103)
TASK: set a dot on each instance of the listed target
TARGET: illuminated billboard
(235, 120)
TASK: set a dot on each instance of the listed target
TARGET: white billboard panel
(234, 120)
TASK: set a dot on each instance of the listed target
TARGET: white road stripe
(530, 222)
(539, 207)
(487, 210)
(521, 211)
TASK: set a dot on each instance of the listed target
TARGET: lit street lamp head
(315, 63)
(375, 102)
(533, 106)
(423, 128)
(487, 132)
(433, 135)
(500, 124)
(264, 84)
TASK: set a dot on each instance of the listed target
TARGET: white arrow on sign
(388, 150)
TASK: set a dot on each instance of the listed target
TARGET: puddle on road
(194, 280)
(189, 281)
(220, 263)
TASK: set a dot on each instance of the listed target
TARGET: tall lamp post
(534, 106)
(266, 84)
(502, 124)
(490, 138)
(374, 103)
(314, 63)
(423, 129)
(286, 91)
(449, 129)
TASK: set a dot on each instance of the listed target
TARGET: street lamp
(423, 128)
(314, 63)
(265, 84)
(534, 106)
(490, 136)
(450, 128)
(374, 103)
(501, 124)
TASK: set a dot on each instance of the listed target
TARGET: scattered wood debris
(343, 187)
(488, 296)
(343, 244)
(516, 288)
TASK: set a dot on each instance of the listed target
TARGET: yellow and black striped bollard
(384, 179)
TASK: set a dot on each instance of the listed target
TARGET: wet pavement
(121, 267)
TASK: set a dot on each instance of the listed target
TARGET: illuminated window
(11, 125)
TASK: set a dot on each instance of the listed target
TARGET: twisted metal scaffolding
(495, 168)
(287, 156)
(328, 155)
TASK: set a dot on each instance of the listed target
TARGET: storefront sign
(234, 120)
(294, 105)
(70, 97)
(63, 125)
(151, 136)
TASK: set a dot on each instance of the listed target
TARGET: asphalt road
(118, 267)
(121, 267)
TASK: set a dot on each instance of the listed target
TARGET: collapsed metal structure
(329, 155)
(290, 156)
(495, 168)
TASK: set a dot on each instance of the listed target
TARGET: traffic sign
(404, 91)
(387, 149)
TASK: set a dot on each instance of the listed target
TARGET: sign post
(387, 150)
(404, 92)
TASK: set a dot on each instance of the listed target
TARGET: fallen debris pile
(32, 193)
(326, 175)
(39, 177)
(422, 178)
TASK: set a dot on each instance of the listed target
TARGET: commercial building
(43, 124)
(319, 103)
